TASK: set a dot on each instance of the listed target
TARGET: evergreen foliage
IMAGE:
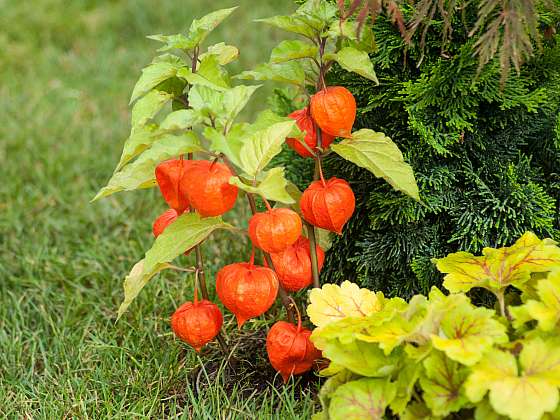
(486, 156)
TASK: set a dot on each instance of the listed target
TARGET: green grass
(67, 70)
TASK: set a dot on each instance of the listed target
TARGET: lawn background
(67, 69)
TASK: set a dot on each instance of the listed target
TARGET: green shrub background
(486, 157)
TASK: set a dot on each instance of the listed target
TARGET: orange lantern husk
(197, 323)
(289, 349)
(169, 176)
(328, 204)
(275, 229)
(208, 188)
(293, 265)
(246, 289)
(334, 110)
(305, 123)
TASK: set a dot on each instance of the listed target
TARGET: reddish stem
(267, 204)
(297, 312)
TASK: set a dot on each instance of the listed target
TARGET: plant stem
(503, 310)
(284, 296)
(313, 252)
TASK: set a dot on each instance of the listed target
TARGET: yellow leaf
(332, 303)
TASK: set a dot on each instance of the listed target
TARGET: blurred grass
(66, 72)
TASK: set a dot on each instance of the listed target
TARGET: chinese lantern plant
(440, 356)
(186, 140)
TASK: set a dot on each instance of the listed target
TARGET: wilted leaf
(442, 383)
(356, 61)
(362, 399)
(261, 146)
(522, 390)
(141, 172)
(272, 186)
(292, 50)
(466, 333)
(379, 155)
(332, 303)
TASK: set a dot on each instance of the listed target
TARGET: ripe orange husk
(164, 220)
(247, 290)
(197, 323)
(293, 265)
(208, 188)
(169, 176)
(274, 230)
(334, 110)
(305, 123)
(328, 204)
(289, 349)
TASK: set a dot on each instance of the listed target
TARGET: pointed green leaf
(442, 383)
(261, 146)
(185, 232)
(140, 139)
(200, 28)
(135, 282)
(182, 119)
(223, 52)
(174, 42)
(466, 333)
(229, 145)
(292, 50)
(235, 99)
(379, 155)
(148, 106)
(320, 14)
(356, 61)
(522, 390)
(272, 186)
(206, 100)
(294, 24)
(152, 76)
(141, 172)
(362, 399)
(288, 72)
(209, 74)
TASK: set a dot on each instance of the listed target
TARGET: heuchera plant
(184, 105)
(438, 355)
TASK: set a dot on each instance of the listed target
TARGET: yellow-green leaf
(546, 310)
(356, 61)
(288, 72)
(148, 106)
(223, 52)
(332, 303)
(362, 399)
(292, 50)
(153, 75)
(378, 154)
(272, 186)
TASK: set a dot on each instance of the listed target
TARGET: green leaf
(546, 310)
(135, 282)
(332, 384)
(294, 24)
(223, 52)
(209, 74)
(200, 28)
(182, 119)
(288, 72)
(152, 76)
(272, 186)
(484, 411)
(139, 140)
(148, 106)
(442, 383)
(356, 61)
(466, 333)
(187, 231)
(365, 359)
(174, 42)
(362, 399)
(320, 14)
(292, 50)
(234, 100)
(141, 172)
(379, 155)
(206, 100)
(499, 268)
(418, 410)
(259, 149)
(229, 145)
(406, 380)
(523, 389)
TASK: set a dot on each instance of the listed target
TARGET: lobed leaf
(379, 155)
(362, 399)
